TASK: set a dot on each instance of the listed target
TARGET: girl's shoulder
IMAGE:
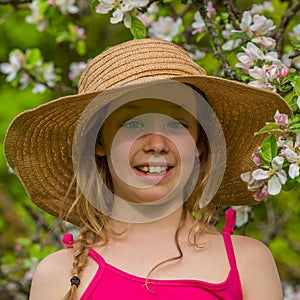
(51, 279)
(257, 268)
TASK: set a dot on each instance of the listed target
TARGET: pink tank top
(112, 283)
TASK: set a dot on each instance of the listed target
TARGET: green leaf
(269, 148)
(81, 47)
(268, 128)
(184, 1)
(295, 126)
(32, 57)
(238, 35)
(297, 85)
(93, 4)
(294, 119)
(137, 28)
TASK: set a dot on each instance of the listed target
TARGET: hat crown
(146, 57)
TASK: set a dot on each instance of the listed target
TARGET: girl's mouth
(153, 171)
(159, 170)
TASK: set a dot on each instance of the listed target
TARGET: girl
(139, 161)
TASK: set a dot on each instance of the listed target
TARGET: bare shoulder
(257, 269)
(52, 275)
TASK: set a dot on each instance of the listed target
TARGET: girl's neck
(167, 225)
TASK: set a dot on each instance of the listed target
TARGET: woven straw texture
(38, 144)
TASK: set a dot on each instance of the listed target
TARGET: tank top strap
(226, 232)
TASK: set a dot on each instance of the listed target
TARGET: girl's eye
(176, 124)
(133, 124)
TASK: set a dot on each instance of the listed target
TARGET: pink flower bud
(261, 194)
(281, 119)
(284, 72)
(51, 2)
(256, 159)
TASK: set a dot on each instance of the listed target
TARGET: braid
(86, 239)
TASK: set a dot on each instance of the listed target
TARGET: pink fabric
(112, 283)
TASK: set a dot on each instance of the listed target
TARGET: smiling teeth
(154, 169)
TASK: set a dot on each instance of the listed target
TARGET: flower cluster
(76, 68)
(40, 8)
(122, 11)
(165, 28)
(277, 160)
(65, 6)
(29, 69)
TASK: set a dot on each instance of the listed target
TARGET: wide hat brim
(38, 143)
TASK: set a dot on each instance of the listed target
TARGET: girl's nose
(156, 143)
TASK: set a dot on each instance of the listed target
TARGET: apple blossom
(198, 25)
(261, 194)
(281, 119)
(272, 73)
(36, 16)
(295, 33)
(76, 68)
(65, 6)
(259, 8)
(16, 58)
(242, 214)
(256, 159)
(261, 25)
(276, 175)
(122, 10)
(165, 28)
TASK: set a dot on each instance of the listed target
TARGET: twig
(145, 8)
(285, 19)
(228, 72)
(233, 15)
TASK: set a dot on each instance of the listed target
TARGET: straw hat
(38, 143)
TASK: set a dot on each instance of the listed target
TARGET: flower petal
(260, 174)
(274, 185)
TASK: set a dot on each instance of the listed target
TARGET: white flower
(38, 88)
(165, 28)
(261, 25)
(246, 22)
(14, 65)
(294, 159)
(76, 68)
(49, 74)
(242, 214)
(296, 32)
(259, 74)
(259, 8)
(36, 16)
(67, 6)
(267, 43)
(105, 6)
(123, 10)
(198, 25)
(276, 175)
(117, 16)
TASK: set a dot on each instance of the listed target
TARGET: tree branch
(233, 15)
(285, 19)
(228, 72)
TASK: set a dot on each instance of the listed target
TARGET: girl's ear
(99, 150)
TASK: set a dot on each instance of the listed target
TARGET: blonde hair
(96, 225)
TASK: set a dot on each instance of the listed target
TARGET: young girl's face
(151, 146)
